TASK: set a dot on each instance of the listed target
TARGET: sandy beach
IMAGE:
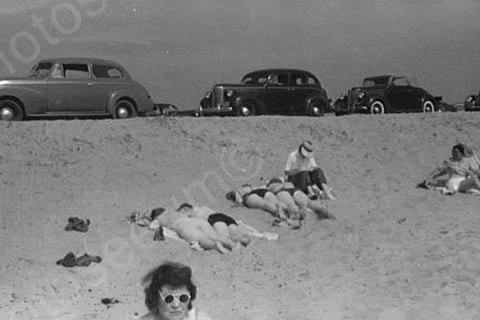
(395, 252)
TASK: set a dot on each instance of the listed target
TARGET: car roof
(81, 60)
(279, 70)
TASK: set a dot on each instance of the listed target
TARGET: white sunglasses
(181, 297)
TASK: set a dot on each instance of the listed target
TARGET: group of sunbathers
(459, 173)
(288, 201)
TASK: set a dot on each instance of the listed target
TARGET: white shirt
(297, 161)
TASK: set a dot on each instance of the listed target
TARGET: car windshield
(375, 82)
(256, 78)
(41, 70)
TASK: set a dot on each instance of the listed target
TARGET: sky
(178, 49)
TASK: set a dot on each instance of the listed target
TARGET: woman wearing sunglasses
(170, 292)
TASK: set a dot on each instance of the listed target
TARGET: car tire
(428, 106)
(377, 107)
(10, 110)
(246, 109)
(124, 109)
(316, 110)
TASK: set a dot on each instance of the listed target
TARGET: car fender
(318, 100)
(259, 105)
(142, 104)
(32, 101)
(381, 98)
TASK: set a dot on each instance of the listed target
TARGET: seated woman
(462, 171)
(169, 294)
(223, 224)
(192, 229)
(287, 193)
(262, 198)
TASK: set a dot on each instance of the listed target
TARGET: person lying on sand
(302, 170)
(262, 198)
(192, 229)
(287, 193)
(169, 294)
(223, 224)
(461, 169)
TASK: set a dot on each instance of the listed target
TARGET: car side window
(400, 82)
(76, 71)
(58, 71)
(311, 81)
(279, 79)
(298, 79)
(108, 72)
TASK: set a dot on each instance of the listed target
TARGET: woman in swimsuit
(287, 193)
(193, 229)
(223, 224)
(462, 170)
(263, 198)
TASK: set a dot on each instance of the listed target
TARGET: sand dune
(395, 252)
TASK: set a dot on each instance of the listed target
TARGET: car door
(105, 79)
(302, 87)
(277, 94)
(400, 95)
(68, 89)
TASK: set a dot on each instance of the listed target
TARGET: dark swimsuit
(259, 192)
(221, 217)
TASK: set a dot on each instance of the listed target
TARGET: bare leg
(239, 235)
(471, 183)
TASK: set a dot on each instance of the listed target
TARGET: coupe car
(386, 94)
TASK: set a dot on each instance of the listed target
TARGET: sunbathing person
(192, 229)
(461, 169)
(223, 224)
(262, 198)
(287, 193)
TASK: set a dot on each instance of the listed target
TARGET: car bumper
(472, 107)
(224, 111)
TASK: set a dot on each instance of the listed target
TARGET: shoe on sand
(86, 259)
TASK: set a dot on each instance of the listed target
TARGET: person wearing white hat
(302, 170)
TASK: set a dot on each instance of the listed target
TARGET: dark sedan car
(271, 91)
(74, 87)
(386, 94)
(472, 103)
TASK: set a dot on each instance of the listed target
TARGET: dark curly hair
(460, 147)
(168, 273)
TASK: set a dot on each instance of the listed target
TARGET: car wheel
(124, 109)
(377, 107)
(246, 109)
(428, 106)
(10, 111)
(316, 111)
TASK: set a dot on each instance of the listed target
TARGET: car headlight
(230, 93)
(469, 99)
(361, 95)
(208, 94)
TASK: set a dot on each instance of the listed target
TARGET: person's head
(170, 291)
(185, 207)
(306, 149)
(458, 151)
(275, 184)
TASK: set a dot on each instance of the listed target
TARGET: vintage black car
(386, 94)
(74, 87)
(268, 92)
(472, 103)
